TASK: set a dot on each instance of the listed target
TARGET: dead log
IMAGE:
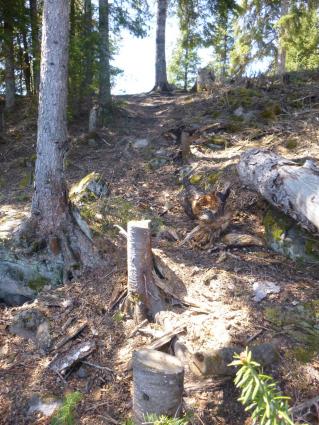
(290, 187)
(158, 383)
(144, 299)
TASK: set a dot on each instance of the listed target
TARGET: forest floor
(144, 183)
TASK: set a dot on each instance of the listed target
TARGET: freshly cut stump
(158, 383)
(143, 295)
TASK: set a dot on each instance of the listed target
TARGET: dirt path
(136, 157)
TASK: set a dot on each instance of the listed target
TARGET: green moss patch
(38, 283)
(301, 325)
(284, 236)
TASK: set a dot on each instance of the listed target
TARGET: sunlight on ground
(10, 218)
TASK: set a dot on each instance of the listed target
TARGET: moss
(283, 235)
(196, 178)
(22, 197)
(271, 111)
(26, 180)
(300, 325)
(291, 144)
(212, 178)
(2, 182)
(302, 354)
(275, 225)
(235, 126)
(38, 283)
(312, 247)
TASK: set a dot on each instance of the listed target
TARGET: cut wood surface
(292, 188)
(158, 381)
(143, 294)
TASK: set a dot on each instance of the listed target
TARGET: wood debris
(64, 361)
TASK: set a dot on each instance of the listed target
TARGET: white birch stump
(158, 383)
(143, 295)
(292, 188)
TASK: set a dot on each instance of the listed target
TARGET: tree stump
(144, 299)
(158, 384)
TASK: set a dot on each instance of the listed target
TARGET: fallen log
(292, 188)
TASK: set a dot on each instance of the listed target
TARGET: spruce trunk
(161, 83)
(51, 212)
(35, 45)
(9, 64)
(105, 74)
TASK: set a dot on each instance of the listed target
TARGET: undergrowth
(259, 393)
(64, 415)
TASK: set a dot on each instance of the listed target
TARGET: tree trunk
(51, 212)
(9, 63)
(89, 54)
(161, 82)
(35, 45)
(143, 295)
(158, 384)
(282, 53)
(105, 74)
(27, 66)
(285, 184)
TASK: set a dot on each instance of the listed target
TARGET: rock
(21, 279)
(241, 239)
(205, 79)
(239, 112)
(82, 373)
(93, 143)
(43, 336)
(141, 143)
(91, 186)
(284, 236)
(215, 362)
(32, 324)
(158, 162)
(45, 405)
(263, 288)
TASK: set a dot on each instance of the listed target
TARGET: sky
(136, 58)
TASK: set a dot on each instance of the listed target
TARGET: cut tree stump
(292, 188)
(158, 384)
(144, 299)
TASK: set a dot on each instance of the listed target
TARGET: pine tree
(161, 83)
(185, 58)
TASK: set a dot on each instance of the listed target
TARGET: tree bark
(35, 45)
(51, 212)
(9, 63)
(158, 383)
(105, 98)
(27, 66)
(161, 83)
(89, 54)
(285, 184)
(143, 295)
(282, 53)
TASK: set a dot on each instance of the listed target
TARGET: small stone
(92, 143)
(239, 112)
(82, 373)
(45, 405)
(262, 289)
(141, 143)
